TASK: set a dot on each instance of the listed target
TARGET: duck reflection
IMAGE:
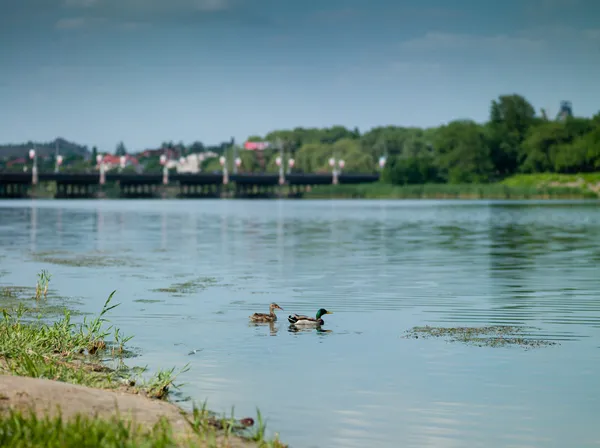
(273, 329)
(317, 329)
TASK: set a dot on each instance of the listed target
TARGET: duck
(301, 320)
(262, 317)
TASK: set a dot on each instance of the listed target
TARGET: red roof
(115, 160)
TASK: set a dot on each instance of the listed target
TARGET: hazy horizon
(97, 72)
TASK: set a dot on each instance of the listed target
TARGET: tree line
(514, 140)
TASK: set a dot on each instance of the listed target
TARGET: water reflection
(294, 329)
(33, 228)
(199, 268)
(99, 233)
(273, 328)
(163, 230)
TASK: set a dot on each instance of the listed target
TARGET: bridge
(199, 185)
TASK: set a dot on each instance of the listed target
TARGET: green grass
(72, 353)
(448, 191)
(541, 179)
(93, 353)
(25, 429)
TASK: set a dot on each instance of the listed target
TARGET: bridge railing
(259, 179)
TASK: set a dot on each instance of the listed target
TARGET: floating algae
(189, 287)
(96, 260)
(490, 336)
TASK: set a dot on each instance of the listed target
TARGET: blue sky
(146, 71)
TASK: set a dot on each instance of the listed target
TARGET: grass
(25, 429)
(536, 179)
(513, 188)
(64, 351)
(491, 336)
(11, 297)
(42, 285)
(82, 354)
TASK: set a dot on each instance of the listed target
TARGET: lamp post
(382, 161)
(237, 161)
(163, 162)
(333, 171)
(122, 163)
(57, 157)
(34, 173)
(341, 164)
(100, 162)
(223, 162)
(290, 165)
(279, 163)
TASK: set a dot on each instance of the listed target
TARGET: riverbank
(62, 383)
(520, 187)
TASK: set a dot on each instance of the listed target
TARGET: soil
(46, 397)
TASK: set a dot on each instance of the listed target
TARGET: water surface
(189, 273)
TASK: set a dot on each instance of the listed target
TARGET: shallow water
(382, 267)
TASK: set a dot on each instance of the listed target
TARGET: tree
(412, 169)
(513, 140)
(549, 146)
(197, 147)
(121, 150)
(463, 153)
(511, 116)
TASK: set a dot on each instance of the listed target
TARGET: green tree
(550, 146)
(463, 153)
(411, 169)
(121, 150)
(511, 117)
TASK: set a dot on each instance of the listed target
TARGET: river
(189, 273)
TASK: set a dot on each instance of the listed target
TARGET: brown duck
(262, 317)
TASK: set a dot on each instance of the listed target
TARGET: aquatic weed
(489, 336)
(189, 287)
(42, 284)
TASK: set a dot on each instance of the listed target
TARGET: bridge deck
(135, 179)
(196, 179)
(68, 178)
(267, 179)
(255, 179)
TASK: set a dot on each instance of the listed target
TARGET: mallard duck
(262, 317)
(301, 320)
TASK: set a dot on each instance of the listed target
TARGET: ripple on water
(382, 267)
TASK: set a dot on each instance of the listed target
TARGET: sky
(146, 71)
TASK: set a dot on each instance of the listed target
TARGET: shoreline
(58, 375)
(517, 187)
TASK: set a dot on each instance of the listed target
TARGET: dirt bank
(46, 397)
